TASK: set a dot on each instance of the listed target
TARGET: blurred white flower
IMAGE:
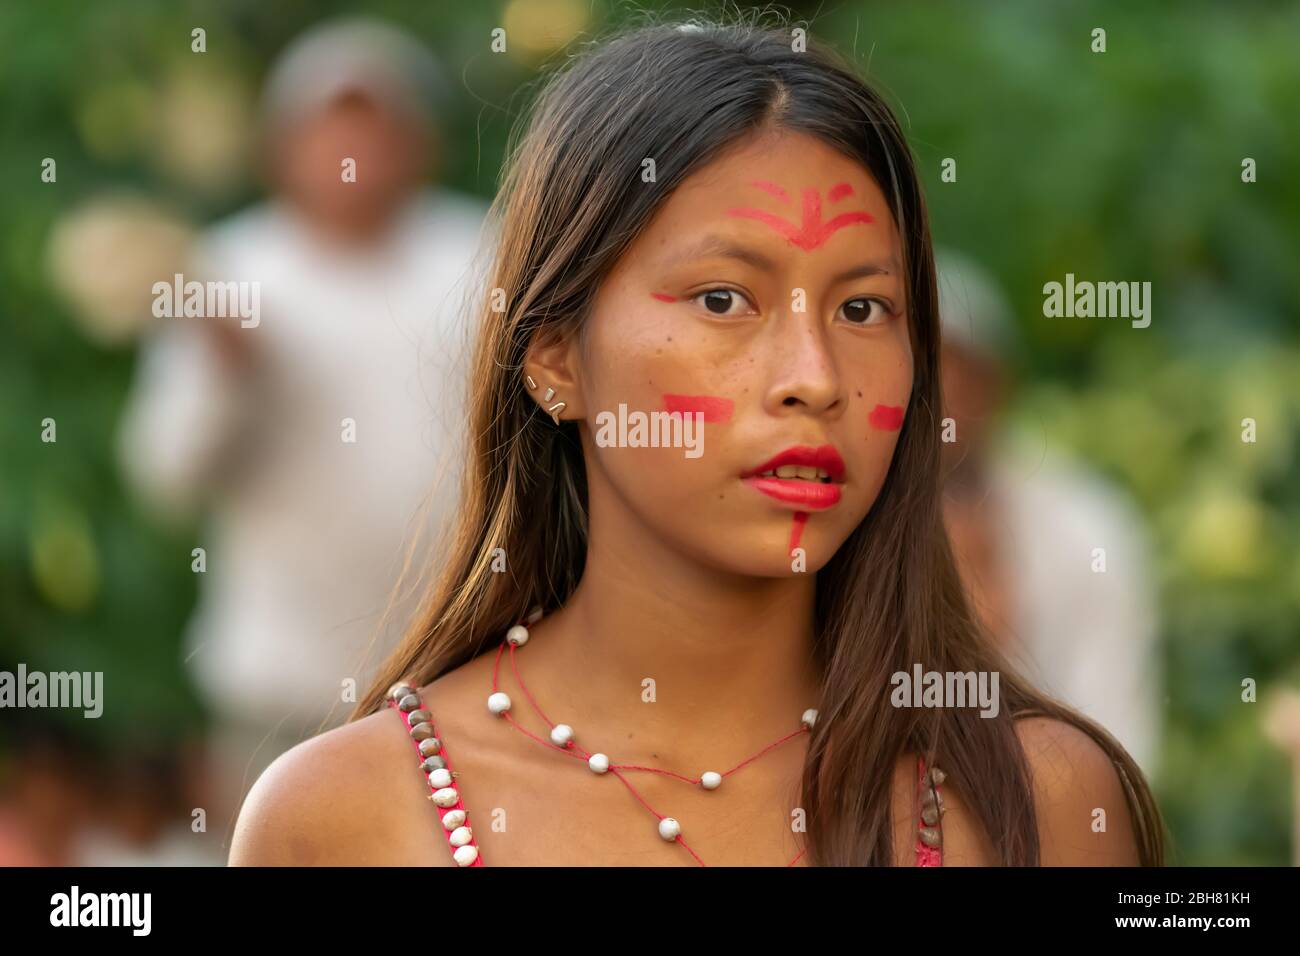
(1282, 720)
(1223, 533)
(535, 28)
(105, 256)
(202, 130)
(64, 559)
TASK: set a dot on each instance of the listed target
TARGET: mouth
(804, 477)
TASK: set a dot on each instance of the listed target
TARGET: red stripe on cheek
(888, 418)
(714, 408)
(663, 297)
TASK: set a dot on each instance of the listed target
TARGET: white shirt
(307, 530)
(1088, 636)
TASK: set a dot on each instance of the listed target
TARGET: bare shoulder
(1083, 815)
(352, 796)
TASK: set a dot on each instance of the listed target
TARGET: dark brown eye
(718, 301)
(722, 301)
(862, 311)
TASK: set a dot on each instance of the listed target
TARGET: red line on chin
(796, 528)
(888, 418)
(715, 408)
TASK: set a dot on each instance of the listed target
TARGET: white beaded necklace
(563, 738)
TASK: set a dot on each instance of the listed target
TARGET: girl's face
(768, 295)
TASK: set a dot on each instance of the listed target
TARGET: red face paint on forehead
(811, 231)
(772, 188)
(714, 408)
(888, 418)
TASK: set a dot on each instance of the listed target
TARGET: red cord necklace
(562, 740)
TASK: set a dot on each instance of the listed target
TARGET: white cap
(973, 312)
(354, 54)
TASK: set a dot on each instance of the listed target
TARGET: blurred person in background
(43, 808)
(312, 438)
(1024, 523)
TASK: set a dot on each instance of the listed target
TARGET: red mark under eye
(887, 418)
(715, 409)
(796, 528)
(811, 231)
(839, 191)
(663, 297)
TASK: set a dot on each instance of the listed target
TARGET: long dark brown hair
(572, 200)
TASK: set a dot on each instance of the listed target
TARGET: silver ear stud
(550, 394)
(531, 384)
(555, 411)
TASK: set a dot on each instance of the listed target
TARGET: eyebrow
(714, 246)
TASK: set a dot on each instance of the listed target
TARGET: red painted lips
(803, 493)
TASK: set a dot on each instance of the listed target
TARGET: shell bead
(561, 734)
(517, 635)
(465, 855)
(440, 778)
(499, 702)
(446, 797)
(669, 828)
(598, 763)
(711, 780)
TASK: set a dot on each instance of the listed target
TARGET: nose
(804, 376)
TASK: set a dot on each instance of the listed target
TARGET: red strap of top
(442, 811)
(927, 855)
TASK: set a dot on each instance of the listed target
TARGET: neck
(354, 233)
(729, 655)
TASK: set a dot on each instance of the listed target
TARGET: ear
(553, 367)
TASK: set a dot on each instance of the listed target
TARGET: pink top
(455, 818)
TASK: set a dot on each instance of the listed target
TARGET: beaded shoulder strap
(929, 833)
(434, 761)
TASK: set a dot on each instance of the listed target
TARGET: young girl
(692, 638)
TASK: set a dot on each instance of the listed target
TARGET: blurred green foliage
(1122, 165)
